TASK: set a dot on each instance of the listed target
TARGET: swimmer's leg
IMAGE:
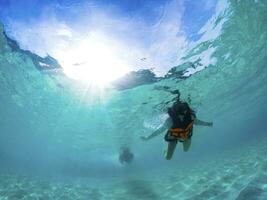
(186, 145)
(170, 149)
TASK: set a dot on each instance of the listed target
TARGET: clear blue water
(60, 139)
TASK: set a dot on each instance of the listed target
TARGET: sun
(94, 59)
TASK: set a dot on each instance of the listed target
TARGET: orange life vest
(182, 133)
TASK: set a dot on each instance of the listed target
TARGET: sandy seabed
(242, 176)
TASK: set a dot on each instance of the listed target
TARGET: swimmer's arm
(202, 123)
(167, 124)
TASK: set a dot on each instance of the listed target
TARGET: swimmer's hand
(202, 123)
(144, 138)
(210, 124)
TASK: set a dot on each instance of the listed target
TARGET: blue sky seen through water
(122, 31)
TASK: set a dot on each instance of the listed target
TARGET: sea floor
(241, 176)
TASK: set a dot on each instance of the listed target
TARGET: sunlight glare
(94, 59)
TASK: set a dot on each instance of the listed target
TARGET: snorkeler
(126, 156)
(179, 125)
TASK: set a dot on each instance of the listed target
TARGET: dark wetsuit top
(180, 122)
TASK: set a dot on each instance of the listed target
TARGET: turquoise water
(61, 139)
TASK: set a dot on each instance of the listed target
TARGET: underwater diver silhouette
(126, 156)
(179, 126)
